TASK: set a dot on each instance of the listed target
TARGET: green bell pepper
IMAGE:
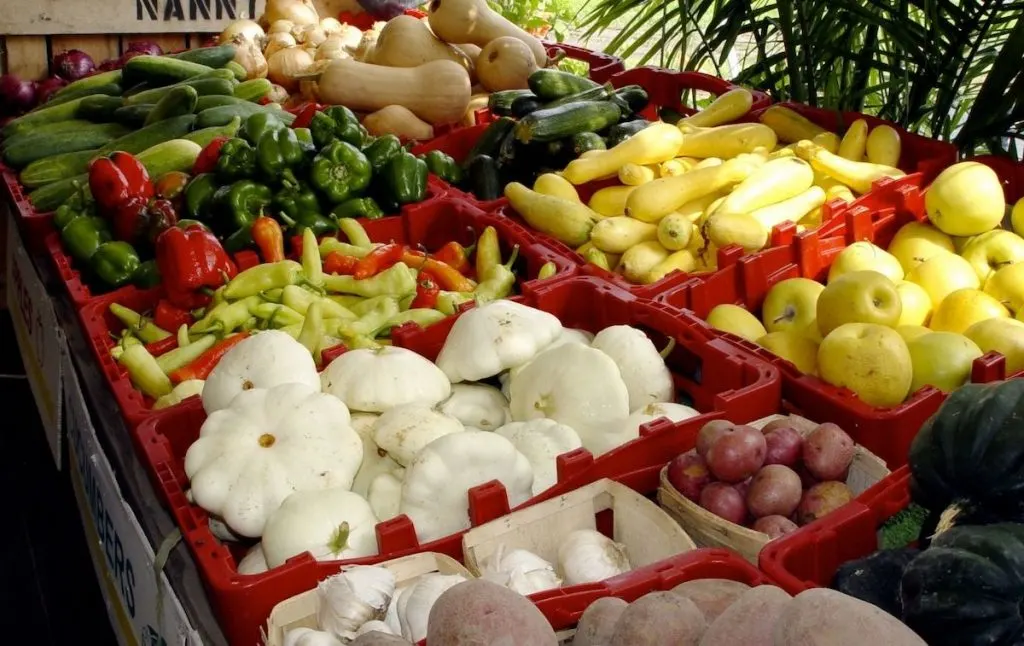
(443, 166)
(237, 160)
(337, 123)
(237, 205)
(78, 204)
(278, 151)
(148, 275)
(115, 263)
(259, 124)
(340, 171)
(358, 207)
(84, 235)
(295, 199)
(305, 137)
(405, 178)
(199, 193)
(381, 150)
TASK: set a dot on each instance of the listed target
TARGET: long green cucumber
(551, 84)
(217, 56)
(36, 147)
(160, 70)
(206, 135)
(224, 114)
(237, 70)
(215, 83)
(216, 101)
(95, 81)
(253, 90)
(99, 108)
(46, 128)
(26, 122)
(181, 100)
(110, 89)
(133, 115)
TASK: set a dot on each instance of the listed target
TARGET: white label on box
(142, 605)
(55, 17)
(40, 339)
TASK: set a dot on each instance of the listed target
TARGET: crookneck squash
(967, 462)
(967, 588)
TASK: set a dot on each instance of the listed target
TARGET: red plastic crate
(601, 66)
(667, 87)
(809, 557)
(36, 225)
(714, 375)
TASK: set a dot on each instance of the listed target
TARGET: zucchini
(525, 105)
(500, 103)
(581, 142)
(551, 84)
(75, 88)
(110, 89)
(99, 108)
(253, 90)
(567, 120)
(160, 70)
(203, 85)
(668, 115)
(133, 115)
(490, 140)
(221, 116)
(623, 131)
(181, 100)
(599, 93)
(634, 96)
(206, 135)
(484, 179)
(236, 69)
(216, 101)
(509, 150)
(24, 152)
(217, 56)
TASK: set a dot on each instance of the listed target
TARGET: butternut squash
(437, 92)
(408, 42)
(473, 21)
(505, 64)
(471, 51)
(399, 121)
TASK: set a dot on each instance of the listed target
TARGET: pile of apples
(889, 321)
(774, 479)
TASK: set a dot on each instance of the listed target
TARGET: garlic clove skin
(588, 556)
(310, 637)
(361, 593)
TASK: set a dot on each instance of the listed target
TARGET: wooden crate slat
(26, 56)
(59, 17)
(100, 47)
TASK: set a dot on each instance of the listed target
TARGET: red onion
(145, 47)
(47, 87)
(127, 56)
(16, 95)
(73, 64)
(108, 65)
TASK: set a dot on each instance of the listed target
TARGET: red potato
(712, 596)
(774, 526)
(597, 625)
(806, 479)
(775, 424)
(709, 433)
(784, 446)
(775, 491)
(658, 619)
(828, 452)
(743, 487)
(724, 501)
(689, 474)
(823, 617)
(737, 454)
(821, 500)
(750, 620)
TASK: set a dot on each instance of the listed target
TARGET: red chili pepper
(304, 115)
(201, 367)
(206, 162)
(267, 235)
(169, 317)
(454, 255)
(338, 263)
(129, 220)
(378, 260)
(191, 259)
(445, 275)
(427, 292)
(163, 345)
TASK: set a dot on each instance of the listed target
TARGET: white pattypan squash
(577, 386)
(330, 524)
(373, 381)
(404, 430)
(495, 337)
(385, 495)
(651, 412)
(478, 406)
(568, 335)
(435, 491)
(264, 360)
(375, 460)
(266, 445)
(643, 369)
(254, 561)
(541, 441)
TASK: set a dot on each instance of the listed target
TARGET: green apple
(942, 360)
(858, 297)
(791, 305)
(871, 360)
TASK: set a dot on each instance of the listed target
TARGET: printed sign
(58, 17)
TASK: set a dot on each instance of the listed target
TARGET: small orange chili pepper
(446, 276)
(267, 235)
(201, 367)
(455, 255)
(378, 260)
(338, 263)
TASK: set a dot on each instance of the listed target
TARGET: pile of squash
(407, 75)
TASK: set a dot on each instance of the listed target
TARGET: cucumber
(160, 70)
(634, 96)
(110, 89)
(253, 90)
(26, 123)
(490, 140)
(217, 56)
(99, 108)
(623, 131)
(206, 135)
(237, 70)
(223, 115)
(551, 84)
(35, 147)
(203, 85)
(133, 115)
(599, 93)
(181, 100)
(216, 101)
(500, 103)
(53, 169)
(525, 105)
(567, 120)
(581, 142)
(46, 128)
(113, 77)
(484, 179)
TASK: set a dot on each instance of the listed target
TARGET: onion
(281, 26)
(277, 94)
(249, 56)
(276, 42)
(46, 88)
(245, 30)
(331, 49)
(351, 36)
(146, 47)
(108, 65)
(73, 64)
(313, 35)
(330, 25)
(297, 11)
(285, 66)
(16, 95)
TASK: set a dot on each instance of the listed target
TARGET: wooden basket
(647, 531)
(300, 611)
(710, 530)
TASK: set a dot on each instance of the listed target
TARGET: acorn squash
(967, 462)
(967, 588)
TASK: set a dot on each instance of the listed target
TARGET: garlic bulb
(374, 626)
(361, 593)
(254, 561)
(246, 30)
(415, 604)
(520, 570)
(249, 56)
(363, 52)
(586, 556)
(331, 49)
(350, 35)
(300, 12)
(286, 65)
(276, 42)
(330, 25)
(310, 637)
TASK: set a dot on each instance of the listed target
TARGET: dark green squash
(968, 587)
(876, 578)
(967, 462)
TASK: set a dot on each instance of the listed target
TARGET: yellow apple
(963, 308)
(794, 348)
(942, 360)
(1007, 286)
(959, 242)
(917, 305)
(966, 199)
(736, 320)
(916, 242)
(992, 251)
(871, 360)
(1017, 217)
(791, 305)
(911, 332)
(864, 255)
(858, 297)
(943, 275)
(1005, 336)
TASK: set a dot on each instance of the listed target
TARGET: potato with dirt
(774, 491)
(712, 596)
(724, 501)
(658, 619)
(749, 621)
(823, 617)
(481, 612)
(828, 452)
(821, 500)
(774, 526)
(737, 454)
(597, 624)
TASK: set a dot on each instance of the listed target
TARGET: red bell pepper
(128, 219)
(207, 361)
(305, 115)
(191, 262)
(160, 216)
(117, 178)
(206, 162)
(170, 318)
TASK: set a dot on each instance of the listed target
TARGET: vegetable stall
(400, 330)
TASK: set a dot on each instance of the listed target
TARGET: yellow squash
(854, 141)
(616, 235)
(726, 108)
(790, 126)
(635, 174)
(566, 220)
(725, 141)
(556, 186)
(654, 144)
(637, 261)
(656, 199)
(682, 260)
(775, 181)
(884, 146)
(859, 176)
(675, 231)
(611, 200)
